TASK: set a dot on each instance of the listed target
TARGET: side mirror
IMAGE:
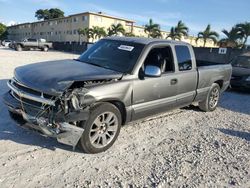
(152, 71)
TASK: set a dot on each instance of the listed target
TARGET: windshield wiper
(87, 62)
(77, 60)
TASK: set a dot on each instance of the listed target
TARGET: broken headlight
(76, 98)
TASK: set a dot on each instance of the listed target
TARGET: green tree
(129, 34)
(3, 31)
(156, 33)
(152, 29)
(208, 34)
(233, 37)
(98, 32)
(178, 31)
(244, 31)
(173, 34)
(86, 32)
(116, 29)
(46, 14)
(181, 29)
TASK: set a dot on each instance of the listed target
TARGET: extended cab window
(183, 58)
(162, 58)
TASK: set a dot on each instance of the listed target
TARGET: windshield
(116, 55)
(241, 61)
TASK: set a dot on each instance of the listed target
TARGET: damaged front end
(53, 116)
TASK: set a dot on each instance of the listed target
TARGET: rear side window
(183, 58)
(31, 40)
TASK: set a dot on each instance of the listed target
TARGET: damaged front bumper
(61, 129)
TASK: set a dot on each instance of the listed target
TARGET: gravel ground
(181, 148)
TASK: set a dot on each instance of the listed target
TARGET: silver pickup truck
(118, 80)
(28, 44)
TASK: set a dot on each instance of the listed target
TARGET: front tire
(101, 129)
(212, 99)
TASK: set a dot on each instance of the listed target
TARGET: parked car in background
(6, 43)
(12, 44)
(116, 81)
(28, 44)
(241, 72)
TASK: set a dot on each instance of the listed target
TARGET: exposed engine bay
(54, 116)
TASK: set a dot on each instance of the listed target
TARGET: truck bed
(209, 73)
(201, 63)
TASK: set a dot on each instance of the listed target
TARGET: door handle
(173, 81)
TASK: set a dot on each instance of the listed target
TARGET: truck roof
(144, 40)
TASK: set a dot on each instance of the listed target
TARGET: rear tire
(101, 129)
(45, 48)
(212, 99)
(19, 48)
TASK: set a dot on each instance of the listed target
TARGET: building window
(84, 18)
(98, 19)
(75, 31)
(75, 19)
(116, 22)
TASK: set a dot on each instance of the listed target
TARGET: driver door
(153, 95)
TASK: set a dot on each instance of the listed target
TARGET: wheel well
(18, 44)
(121, 108)
(219, 82)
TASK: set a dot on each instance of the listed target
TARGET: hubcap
(214, 98)
(103, 129)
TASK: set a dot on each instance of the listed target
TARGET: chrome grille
(29, 95)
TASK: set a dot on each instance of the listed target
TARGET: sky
(196, 14)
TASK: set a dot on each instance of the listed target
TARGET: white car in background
(6, 43)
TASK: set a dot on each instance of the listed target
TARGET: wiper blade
(77, 60)
(89, 63)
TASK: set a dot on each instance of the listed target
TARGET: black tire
(92, 140)
(211, 101)
(19, 48)
(45, 48)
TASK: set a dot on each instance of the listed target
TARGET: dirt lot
(181, 148)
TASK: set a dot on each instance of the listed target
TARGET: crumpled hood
(54, 77)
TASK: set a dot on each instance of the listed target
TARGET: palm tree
(173, 34)
(85, 32)
(156, 33)
(178, 31)
(129, 34)
(98, 32)
(181, 28)
(244, 29)
(152, 29)
(208, 34)
(233, 37)
(116, 29)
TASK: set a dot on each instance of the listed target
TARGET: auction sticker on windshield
(125, 47)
